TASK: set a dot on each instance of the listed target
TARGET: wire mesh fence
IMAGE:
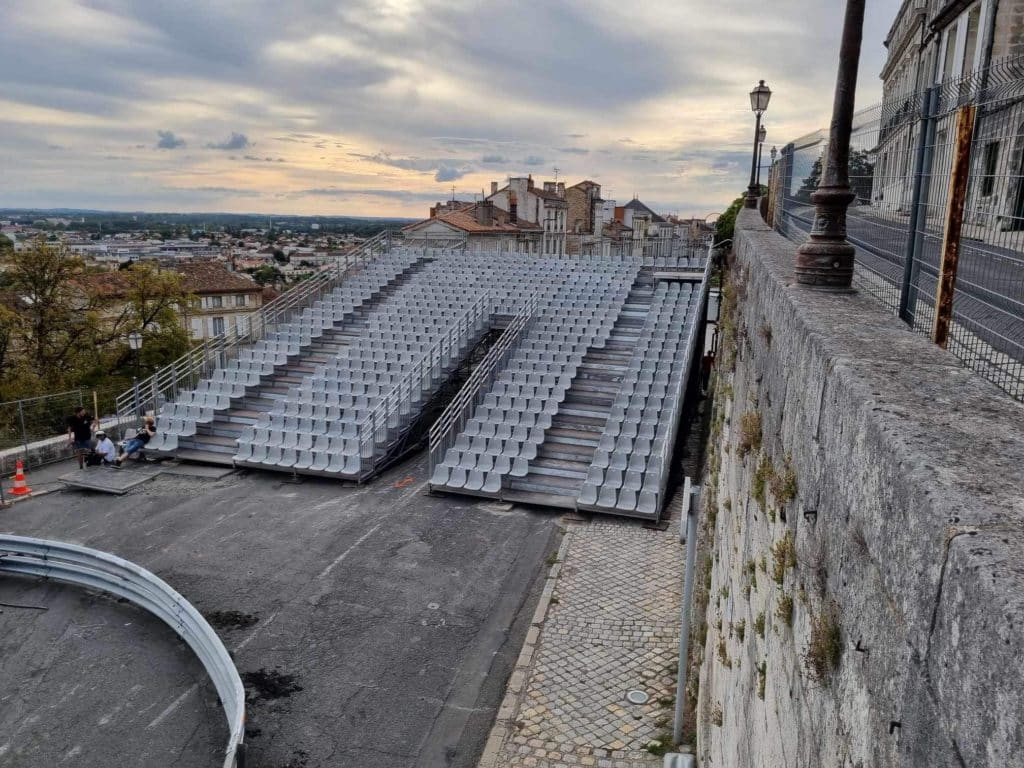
(910, 226)
(26, 422)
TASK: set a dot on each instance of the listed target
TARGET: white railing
(185, 372)
(460, 410)
(93, 569)
(396, 408)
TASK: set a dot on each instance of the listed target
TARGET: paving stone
(614, 627)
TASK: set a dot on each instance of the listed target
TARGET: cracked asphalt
(376, 625)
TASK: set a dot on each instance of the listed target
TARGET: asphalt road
(990, 279)
(375, 625)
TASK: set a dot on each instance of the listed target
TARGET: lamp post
(135, 344)
(761, 135)
(759, 98)
(826, 258)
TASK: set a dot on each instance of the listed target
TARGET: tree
(726, 223)
(280, 257)
(861, 171)
(266, 274)
(6, 247)
(64, 326)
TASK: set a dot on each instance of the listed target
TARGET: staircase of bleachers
(576, 405)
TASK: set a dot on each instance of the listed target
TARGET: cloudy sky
(378, 107)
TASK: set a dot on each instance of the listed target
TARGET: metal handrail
(375, 429)
(453, 419)
(214, 352)
(99, 570)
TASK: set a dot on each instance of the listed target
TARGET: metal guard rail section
(388, 414)
(453, 419)
(187, 370)
(102, 571)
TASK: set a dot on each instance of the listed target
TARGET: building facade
(221, 300)
(971, 51)
(478, 227)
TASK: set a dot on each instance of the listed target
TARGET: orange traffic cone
(20, 486)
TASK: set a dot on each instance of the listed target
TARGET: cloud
(533, 160)
(234, 141)
(167, 140)
(574, 150)
(494, 160)
(448, 174)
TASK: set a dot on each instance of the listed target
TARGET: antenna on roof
(453, 193)
(556, 174)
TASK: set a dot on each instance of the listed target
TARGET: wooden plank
(956, 203)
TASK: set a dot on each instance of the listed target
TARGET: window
(240, 300)
(216, 301)
(949, 57)
(988, 180)
(218, 325)
(971, 44)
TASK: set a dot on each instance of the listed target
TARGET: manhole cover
(637, 697)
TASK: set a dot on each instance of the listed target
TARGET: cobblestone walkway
(607, 623)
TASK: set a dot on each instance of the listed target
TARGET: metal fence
(939, 179)
(34, 419)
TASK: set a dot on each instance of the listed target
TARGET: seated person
(139, 441)
(104, 453)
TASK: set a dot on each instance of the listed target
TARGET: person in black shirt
(80, 425)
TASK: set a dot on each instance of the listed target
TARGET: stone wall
(864, 577)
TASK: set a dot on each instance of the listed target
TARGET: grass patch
(783, 485)
(825, 648)
(723, 653)
(762, 677)
(750, 433)
(759, 624)
(761, 477)
(740, 628)
(716, 715)
(661, 744)
(783, 557)
(784, 609)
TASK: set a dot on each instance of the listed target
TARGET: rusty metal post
(958, 180)
(826, 258)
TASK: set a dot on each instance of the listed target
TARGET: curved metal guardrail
(109, 573)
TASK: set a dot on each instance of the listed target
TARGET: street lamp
(826, 258)
(761, 135)
(135, 344)
(759, 98)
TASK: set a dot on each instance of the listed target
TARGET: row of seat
(629, 468)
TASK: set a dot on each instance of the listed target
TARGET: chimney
(494, 187)
(549, 186)
(485, 213)
(560, 189)
(433, 211)
(529, 181)
(513, 208)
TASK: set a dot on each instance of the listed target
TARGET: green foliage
(740, 627)
(726, 225)
(267, 275)
(760, 480)
(64, 326)
(759, 624)
(762, 677)
(825, 648)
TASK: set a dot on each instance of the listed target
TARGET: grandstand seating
(582, 413)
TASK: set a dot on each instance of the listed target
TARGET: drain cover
(637, 697)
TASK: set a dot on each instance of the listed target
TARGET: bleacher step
(538, 483)
(205, 457)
